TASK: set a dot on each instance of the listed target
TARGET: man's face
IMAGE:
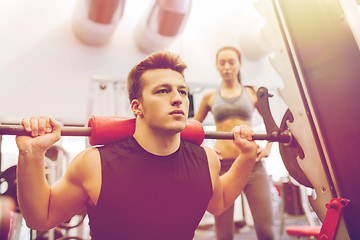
(165, 102)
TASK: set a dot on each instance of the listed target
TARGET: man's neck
(156, 142)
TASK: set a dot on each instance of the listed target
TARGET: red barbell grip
(105, 129)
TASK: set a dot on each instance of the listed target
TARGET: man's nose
(176, 98)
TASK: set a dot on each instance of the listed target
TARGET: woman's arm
(205, 106)
(252, 92)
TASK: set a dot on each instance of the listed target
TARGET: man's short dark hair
(158, 60)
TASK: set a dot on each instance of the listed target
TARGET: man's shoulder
(122, 143)
(190, 144)
(195, 149)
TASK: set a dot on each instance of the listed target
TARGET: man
(152, 185)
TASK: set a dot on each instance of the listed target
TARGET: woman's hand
(218, 152)
(262, 153)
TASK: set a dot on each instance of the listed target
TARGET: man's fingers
(39, 126)
(26, 123)
(34, 123)
(55, 125)
(42, 125)
(244, 132)
(48, 127)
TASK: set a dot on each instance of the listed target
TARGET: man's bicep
(68, 196)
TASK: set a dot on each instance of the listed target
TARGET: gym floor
(207, 231)
(244, 232)
(248, 232)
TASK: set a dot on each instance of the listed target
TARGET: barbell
(105, 129)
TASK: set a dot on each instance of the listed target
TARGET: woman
(233, 104)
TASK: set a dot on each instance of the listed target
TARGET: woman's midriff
(227, 148)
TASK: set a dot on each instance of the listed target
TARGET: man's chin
(178, 126)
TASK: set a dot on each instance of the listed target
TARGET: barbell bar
(283, 137)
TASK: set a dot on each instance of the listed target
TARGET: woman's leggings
(258, 194)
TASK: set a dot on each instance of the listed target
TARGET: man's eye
(183, 92)
(162, 91)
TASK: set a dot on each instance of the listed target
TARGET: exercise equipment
(56, 157)
(9, 211)
(7, 205)
(104, 129)
(316, 52)
(164, 22)
(95, 21)
(56, 162)
(8, 183)
(291, 153)
(75, 221)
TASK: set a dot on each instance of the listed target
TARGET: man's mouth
(177, 112)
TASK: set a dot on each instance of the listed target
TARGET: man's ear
(136, 107)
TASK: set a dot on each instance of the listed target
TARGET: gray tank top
(238, 107)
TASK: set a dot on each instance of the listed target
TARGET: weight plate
(8, 178)
(290, 152)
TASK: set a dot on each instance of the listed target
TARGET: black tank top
(149, 197)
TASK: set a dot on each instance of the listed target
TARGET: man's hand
(243, 139)
(45, 131)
